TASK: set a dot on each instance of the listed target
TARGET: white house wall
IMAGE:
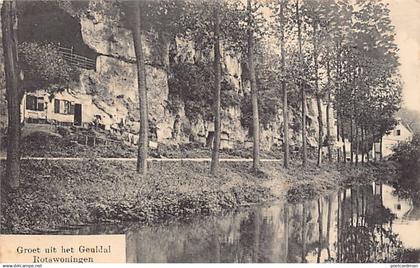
(88, 109)
(390, 140)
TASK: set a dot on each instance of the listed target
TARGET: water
(363, 224)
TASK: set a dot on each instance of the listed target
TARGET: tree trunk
(283, 85)
(257, 231)
(367, 145)
(338, 132)
(362, 130)
(254, 93)
(320, 129)
(343, 224)
(328, 112)
(329, 225)
(9, 28)
(303, 234)
(357, 144)
(320, 230)
(338, 257)
(217, 79)
(142, 92)
(380, 149)
(343, 140)
(318, 96)
(351, 140)
(338, 105)
(302, 87)
(286, 231)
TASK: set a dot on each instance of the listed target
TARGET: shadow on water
(363, 224)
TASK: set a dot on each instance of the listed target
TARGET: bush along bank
(63, 193)
(317, 182)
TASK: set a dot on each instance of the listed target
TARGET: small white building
(402, 132)
(65, 108)
(62, 108)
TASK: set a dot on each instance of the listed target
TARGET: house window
(71, 107)
(40, 104)
(35, 103)
(56, 106)
(398, 132)
(63, 107)
(31, 102)
(66, 107)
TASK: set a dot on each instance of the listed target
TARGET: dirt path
(149, 159)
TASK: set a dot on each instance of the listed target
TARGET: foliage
(407, 155)
(361, 57)
(302, 192)
(193, 84)
(406, 256)
(229, 96)
(195, 24)
(44, 67)
(81, 193)
(267, 109)
(369, 248)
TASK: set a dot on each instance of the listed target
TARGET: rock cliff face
(111, 90)
(113, 86)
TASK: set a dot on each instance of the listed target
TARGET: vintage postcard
(210, 131)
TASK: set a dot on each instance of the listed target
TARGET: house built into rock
(108, 91)
(62, 109)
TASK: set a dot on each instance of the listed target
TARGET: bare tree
(142, 91)
(302, 86)
(9, 28)
(284, 89)
(217, 80)
(254, 91)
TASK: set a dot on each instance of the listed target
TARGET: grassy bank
(56, 194)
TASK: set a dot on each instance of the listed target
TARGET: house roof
(402, 122)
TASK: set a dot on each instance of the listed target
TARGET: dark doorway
(77, 114)
(209, 140)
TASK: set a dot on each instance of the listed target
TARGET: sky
(405, 16)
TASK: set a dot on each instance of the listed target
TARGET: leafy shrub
(267, 108)
(301, 192)
(228, 95)
(44, 67)
(407, 155)
(193, 84)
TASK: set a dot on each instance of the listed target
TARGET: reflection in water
(354, 225)
(366, 234)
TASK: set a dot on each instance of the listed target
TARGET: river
(362, 224)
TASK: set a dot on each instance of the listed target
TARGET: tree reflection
(365, 234)
(355, 219)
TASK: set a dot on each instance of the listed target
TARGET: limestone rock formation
(110, 91)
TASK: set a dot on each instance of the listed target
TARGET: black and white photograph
(210, 131)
